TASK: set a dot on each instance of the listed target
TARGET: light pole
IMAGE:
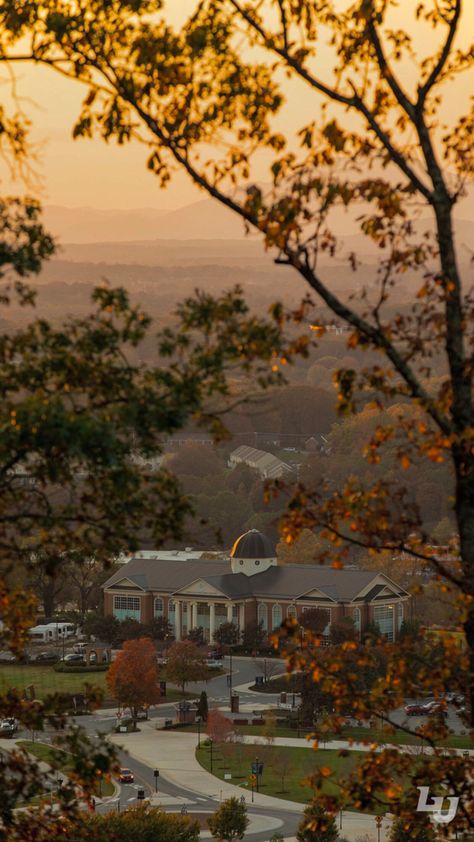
(156, 775)
(211, 752)
(230, 676)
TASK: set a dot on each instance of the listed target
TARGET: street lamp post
(230, 677)
(156, 775)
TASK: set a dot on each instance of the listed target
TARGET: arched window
(158, 607)
(291, 612)
(401, 615)
(276, 616)
(356, 618)
(262, 616)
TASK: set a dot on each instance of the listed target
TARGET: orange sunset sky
(91, 173)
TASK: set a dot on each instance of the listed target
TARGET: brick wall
(108, 604)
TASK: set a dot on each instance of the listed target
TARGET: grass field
(61, 760)
(297, 763)
(45, 680)
(368, 735)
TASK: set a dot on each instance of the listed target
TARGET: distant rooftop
(268, 465)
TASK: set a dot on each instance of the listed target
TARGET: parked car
(126, 776)
(435, 708)
(45, 657)
(415, 710)
(8, 727)
(7, 657)
(73, 658)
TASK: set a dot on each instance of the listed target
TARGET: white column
(194, 619)
(212, 621)
(242, 616)
(229, 612)
(177, 620)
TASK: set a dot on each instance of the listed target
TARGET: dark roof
(286, 582)
(294, 580)
(155, 574)
(253, 544)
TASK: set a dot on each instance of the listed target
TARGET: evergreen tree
(202, 706)
(404, 830)
(316, 825)
(229, 822)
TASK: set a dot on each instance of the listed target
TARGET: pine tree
(316, 825)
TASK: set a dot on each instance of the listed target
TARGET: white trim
(211, 590)
(130, 583)
(316, 591)
(383, 579)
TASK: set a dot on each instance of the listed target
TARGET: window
(262, 616)
(291, 612)
(171, 610)
(356, 618)
(400, 615)
(276, 616)
(158, 607)
(326, 611)
(383, 617)
(127, 606)
(257, 563)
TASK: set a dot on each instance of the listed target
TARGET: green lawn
(368, 735)
(45, 680)
(299, 763)
(62, 761)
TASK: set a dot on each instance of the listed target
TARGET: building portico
(249, 588)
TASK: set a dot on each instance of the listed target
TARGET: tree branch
(424, 90)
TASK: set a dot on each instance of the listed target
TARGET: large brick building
(247, 587)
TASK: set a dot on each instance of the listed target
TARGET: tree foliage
(133, 678)
(139, 824)
(218, 726)
(185, 663)
(204, 97)
(316, 825)
(229, 822)
(228, 634)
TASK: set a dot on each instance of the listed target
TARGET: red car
(415, 710)
(126, 776)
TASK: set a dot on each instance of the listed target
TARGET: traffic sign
(253, 780)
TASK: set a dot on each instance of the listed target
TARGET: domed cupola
(252, 553)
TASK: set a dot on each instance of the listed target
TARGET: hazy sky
(92, 173)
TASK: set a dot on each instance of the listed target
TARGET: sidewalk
(173, 753)
(337, 745)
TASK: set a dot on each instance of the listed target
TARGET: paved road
(173, 798)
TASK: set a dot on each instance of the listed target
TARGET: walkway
(173, 753)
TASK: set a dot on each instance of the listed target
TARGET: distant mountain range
(152, 236)
(202, 220)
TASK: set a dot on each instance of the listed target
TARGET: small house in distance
(249, 587)
(267, 465)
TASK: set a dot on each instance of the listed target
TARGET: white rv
(52, 631)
